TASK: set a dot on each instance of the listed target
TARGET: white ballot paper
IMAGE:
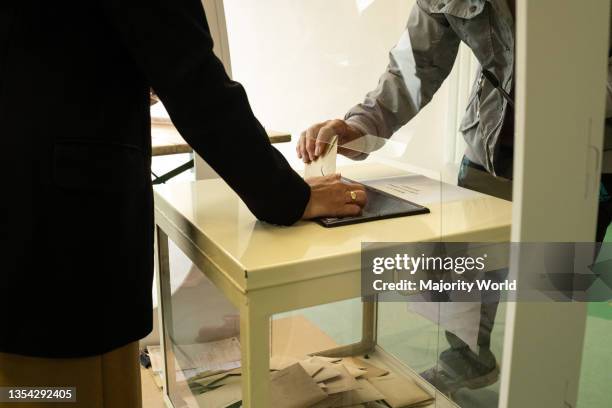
(193, 359)
(325, 165)
(421, 190)
(218, 355)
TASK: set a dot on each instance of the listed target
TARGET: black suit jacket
(76, 273)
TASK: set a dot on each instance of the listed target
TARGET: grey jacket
(424, 57)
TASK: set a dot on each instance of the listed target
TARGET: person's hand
(314, 141)
(331, 197)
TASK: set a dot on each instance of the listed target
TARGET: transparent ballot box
(262, 316)
(257, 315)
(344, 353)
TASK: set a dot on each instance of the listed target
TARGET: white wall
(304, 61)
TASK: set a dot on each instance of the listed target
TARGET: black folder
(381, 205)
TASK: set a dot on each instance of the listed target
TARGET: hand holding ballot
(330, 196)
(314, 141)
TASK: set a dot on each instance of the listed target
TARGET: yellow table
(264, 269)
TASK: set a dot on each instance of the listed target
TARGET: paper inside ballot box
(342, 383)
(364, 393)
(399, 391)
(292, 387)
(229, 392)
(298, 379)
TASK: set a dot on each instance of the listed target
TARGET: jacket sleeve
(419, 63)
(171, 43)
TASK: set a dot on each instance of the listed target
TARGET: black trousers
(475, 177)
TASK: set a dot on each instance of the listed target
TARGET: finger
(310, 142)
(331, 133)
(350, 210)
(355, 186)
(356, 197)
(303, 150)
(332, 128)
(298, 146)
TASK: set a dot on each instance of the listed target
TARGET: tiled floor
(151, 395)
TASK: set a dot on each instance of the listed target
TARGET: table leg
(255, 345)
(368, 335)
(369, 324)
(164, 306)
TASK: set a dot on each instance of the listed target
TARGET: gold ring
(353, 195)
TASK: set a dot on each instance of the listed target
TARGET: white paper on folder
(325, 165)
(421, 190)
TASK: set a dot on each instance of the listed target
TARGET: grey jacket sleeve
(418, 65)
